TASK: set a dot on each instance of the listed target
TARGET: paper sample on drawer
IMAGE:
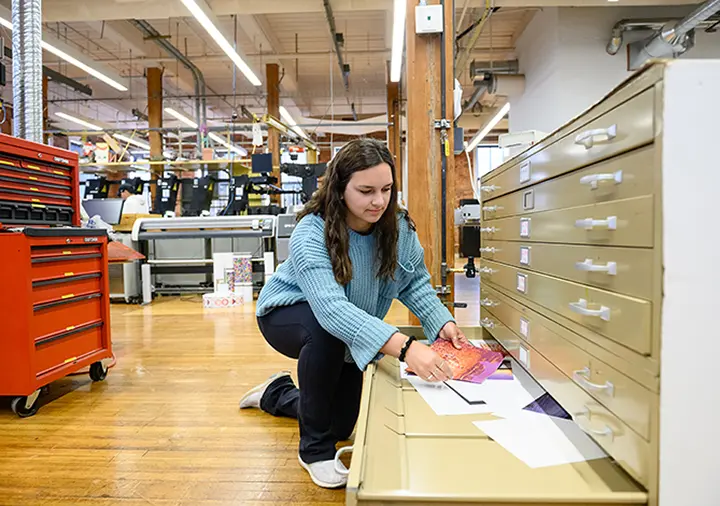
(540, 440)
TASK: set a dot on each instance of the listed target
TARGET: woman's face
(367, 195)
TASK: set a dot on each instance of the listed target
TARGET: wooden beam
(272, 80)
(424, 141)
(393, 131)
(155, 114)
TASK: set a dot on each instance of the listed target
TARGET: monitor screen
(110, 210)
(262, 163)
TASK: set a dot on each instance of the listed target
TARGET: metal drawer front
(626, 127)
(65, 315)
(66, 287)
(628, 271)
(626, 176)
(64, 266)
(620, 223)
(622, 319)
(52, 352)
(630, 450)
(628, 400)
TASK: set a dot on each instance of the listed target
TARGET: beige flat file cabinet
(599, 267)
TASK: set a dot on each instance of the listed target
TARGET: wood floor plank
(164, 429)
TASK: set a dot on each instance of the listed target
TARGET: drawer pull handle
(589, 224)
(487, 323)
(587, 138)
(610, 268)
(492, 209)
(582, 376)
(605, 432)
(581, 307)
(489, 188)
(486, 302)
(486, 270)
(339, 468)
(67, 296)
(489, 250)
(489, 230)
(594, 179)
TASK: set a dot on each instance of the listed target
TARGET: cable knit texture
(355, 313)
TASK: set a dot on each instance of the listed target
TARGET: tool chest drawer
(625, 320)
(626, 176)
(34, 176)
(628, 271)
(56, 316)
(65, 287)
(621, 129)
(620, 223)
(70, 344)
(65, 266)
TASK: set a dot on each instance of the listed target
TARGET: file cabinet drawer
(626, 176)
(625, 320)
(627, 399)
(630, 450)
(61, 315)
(629, 271)
(628, 126)
(620, 223)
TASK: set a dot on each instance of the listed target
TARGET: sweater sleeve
(419, 295)
(363, 333)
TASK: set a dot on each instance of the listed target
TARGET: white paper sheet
(540, 440)
(444, 401)
(505, 395)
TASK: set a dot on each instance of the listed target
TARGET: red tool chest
(55, 295)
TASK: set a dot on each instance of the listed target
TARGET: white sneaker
(252, 398)
(324, 473)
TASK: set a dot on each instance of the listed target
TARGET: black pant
(328, 401)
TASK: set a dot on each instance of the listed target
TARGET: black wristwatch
(405, 348)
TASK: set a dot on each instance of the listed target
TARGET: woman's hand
(427, 364)
(451, 332)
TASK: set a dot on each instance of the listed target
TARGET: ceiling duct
(200, 102)
(27, 69)
(478, 68)
(672, 37)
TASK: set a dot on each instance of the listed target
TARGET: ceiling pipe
(200, 102)
(344, 69)
(671, 31)
(27, 69)
(477, 28)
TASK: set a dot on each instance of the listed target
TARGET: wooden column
(393, 131)
(155, 115)
(424, 141)
(45, 108)
(272, 78)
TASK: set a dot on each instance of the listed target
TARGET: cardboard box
(127, 221)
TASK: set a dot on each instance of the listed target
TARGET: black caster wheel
(18, 405)
(98, 371)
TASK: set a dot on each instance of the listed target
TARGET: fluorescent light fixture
(130, 140)
(482, 133)
(290, 121)
(172, 112)
(398, 39)
(196, 9)
(79, 121)
(73, 57)
(236, 149)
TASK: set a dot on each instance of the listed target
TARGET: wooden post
(45, 108)
(393, 131)
(272, 78)
(155, 115)
(424, 142)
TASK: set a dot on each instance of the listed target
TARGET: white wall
(562, 54)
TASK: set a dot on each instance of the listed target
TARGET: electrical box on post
(429, 19)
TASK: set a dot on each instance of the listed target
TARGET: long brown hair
(327, 202)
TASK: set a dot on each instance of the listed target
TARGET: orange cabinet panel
(59, 316)
(65, 266)
(67, 347)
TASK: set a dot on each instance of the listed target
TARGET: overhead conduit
(27, 69)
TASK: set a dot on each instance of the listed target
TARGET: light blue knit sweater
(354, 313)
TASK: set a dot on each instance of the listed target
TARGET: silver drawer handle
(489, 188)
(487, 323)
(610, 268)
(587, 138)
(582, 376)
(588, 223)
(340, 469)
(486, 302)
(581, 307)
(489, 250)
(486, 270)
(594, 179)
(489, 230)
(492, 209)
(606, 432)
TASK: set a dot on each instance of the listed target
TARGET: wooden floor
(164, 428)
